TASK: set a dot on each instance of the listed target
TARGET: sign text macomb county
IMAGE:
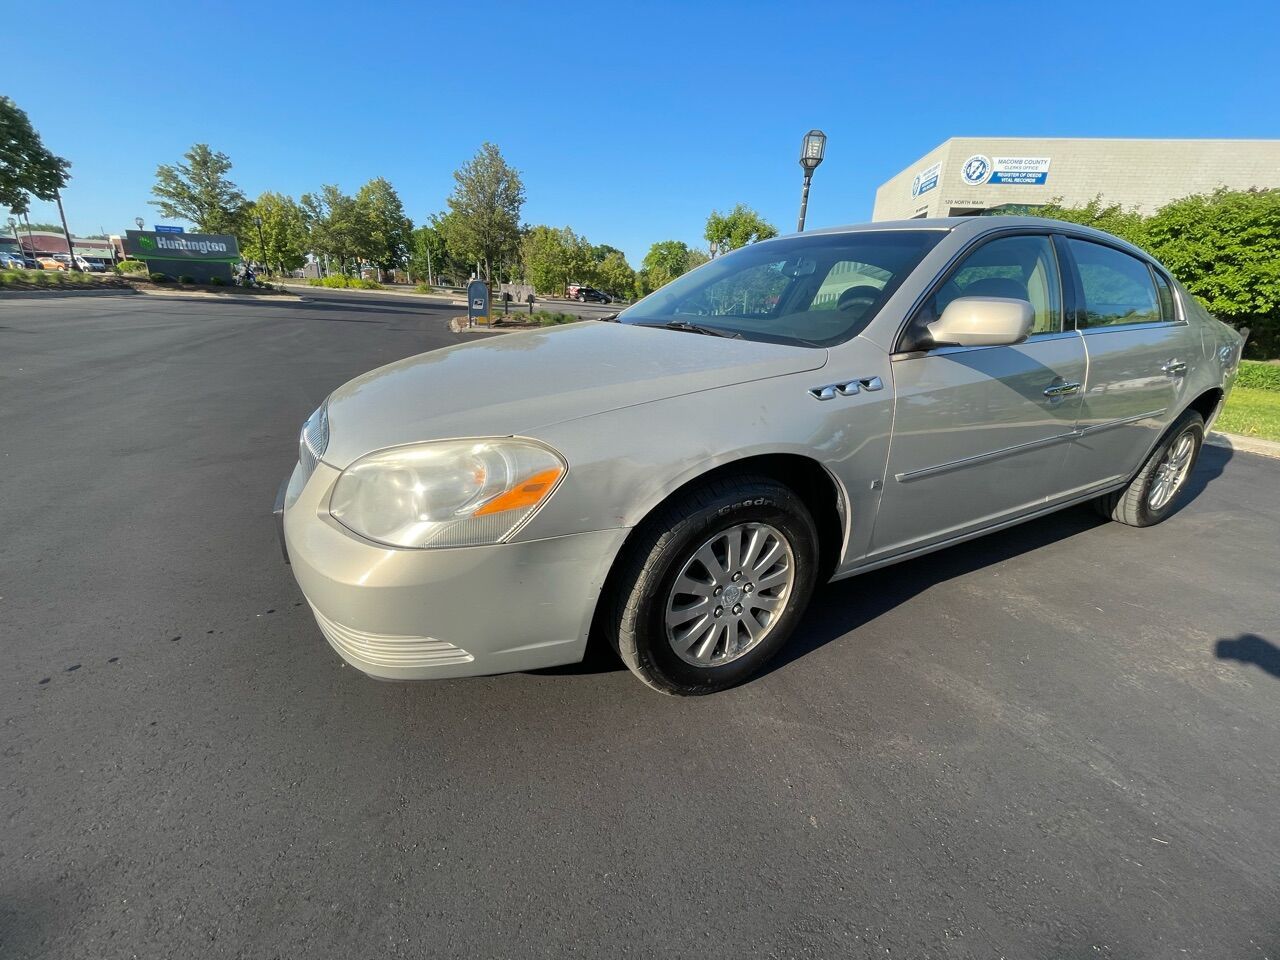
(1033, 170)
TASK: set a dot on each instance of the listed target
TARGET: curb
(459, 325)
(436, 298)
(207, 295)
(1233, 441)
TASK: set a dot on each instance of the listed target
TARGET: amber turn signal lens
(524, 494)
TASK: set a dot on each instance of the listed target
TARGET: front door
(979, 432)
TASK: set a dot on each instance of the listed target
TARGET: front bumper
(426, 614)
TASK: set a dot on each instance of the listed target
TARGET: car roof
(970, 227)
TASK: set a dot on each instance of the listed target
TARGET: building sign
(211, 247)
(165, 228)
(980, 169)
(926, 179)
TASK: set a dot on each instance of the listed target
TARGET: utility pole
(71, 249)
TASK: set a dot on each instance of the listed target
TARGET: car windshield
(817, 290)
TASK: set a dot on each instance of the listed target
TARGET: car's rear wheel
(714, 584)
(1155, 490)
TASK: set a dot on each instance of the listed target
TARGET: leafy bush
(131, 266)
(548, 318)
(186, 279)
(1260, 376)
(338, 281)
(217, 281)
(159, 278)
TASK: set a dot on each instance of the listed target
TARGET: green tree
(485, 209)
(554, 258)
(335, 226)
(1225, 248)
(200, 191)
(284, 238)
(428, 253)
(615, 275)
(737, 228)
(385, 230)
(665, 261)
(1126, 224)
(26, 164)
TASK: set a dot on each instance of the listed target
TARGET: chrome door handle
(1061, 390)
(1175, 368)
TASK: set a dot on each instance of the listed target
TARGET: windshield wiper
(688, 327)
(609, 318)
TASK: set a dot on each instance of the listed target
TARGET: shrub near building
(1224, 247)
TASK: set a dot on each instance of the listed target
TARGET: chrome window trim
(1119, 327)
(948, 351)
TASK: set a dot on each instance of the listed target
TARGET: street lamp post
(812, 148)
(262, 245)
(139, 221)
(13, 225)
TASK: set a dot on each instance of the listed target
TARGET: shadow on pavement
(838, 608)
(1250, 648)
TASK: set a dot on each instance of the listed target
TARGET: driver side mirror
(982, 322)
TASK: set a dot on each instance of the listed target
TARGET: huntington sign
(149, 245)
(200, 256)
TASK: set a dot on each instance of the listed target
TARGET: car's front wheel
(713, 585)
(1154, 491)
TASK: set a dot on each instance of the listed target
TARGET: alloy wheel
(730, 594)
(1171, 472)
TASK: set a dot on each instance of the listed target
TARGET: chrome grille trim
(314, 440)
(388, 650)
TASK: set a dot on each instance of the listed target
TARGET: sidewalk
(1233, 441)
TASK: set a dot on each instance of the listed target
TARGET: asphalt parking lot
(1059, 741)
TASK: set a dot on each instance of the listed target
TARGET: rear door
(978, 432)
(1138, 349)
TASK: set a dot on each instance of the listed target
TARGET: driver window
(753, 292)
(1021, 268)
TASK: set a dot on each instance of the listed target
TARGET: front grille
(314, 440)
(385, 650)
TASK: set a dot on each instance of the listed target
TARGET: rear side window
(1165, 293)
(1118, 288)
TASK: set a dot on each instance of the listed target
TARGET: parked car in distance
(676, 483)
(11, 261)
(51, 263)
(583, 294)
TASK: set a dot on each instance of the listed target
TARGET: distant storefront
(201, 256)
(972, 176)
(45, 243)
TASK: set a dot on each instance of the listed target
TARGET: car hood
(512, 384)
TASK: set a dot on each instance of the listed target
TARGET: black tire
(657, 556)
(1132, 505)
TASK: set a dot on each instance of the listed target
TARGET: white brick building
(966, 176)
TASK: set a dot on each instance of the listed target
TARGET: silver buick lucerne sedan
(678, 481)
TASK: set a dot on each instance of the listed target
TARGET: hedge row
(339, 281)
(1259, 375)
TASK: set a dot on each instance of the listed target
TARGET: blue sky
(629, 122)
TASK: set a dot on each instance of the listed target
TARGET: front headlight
(449, 493)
